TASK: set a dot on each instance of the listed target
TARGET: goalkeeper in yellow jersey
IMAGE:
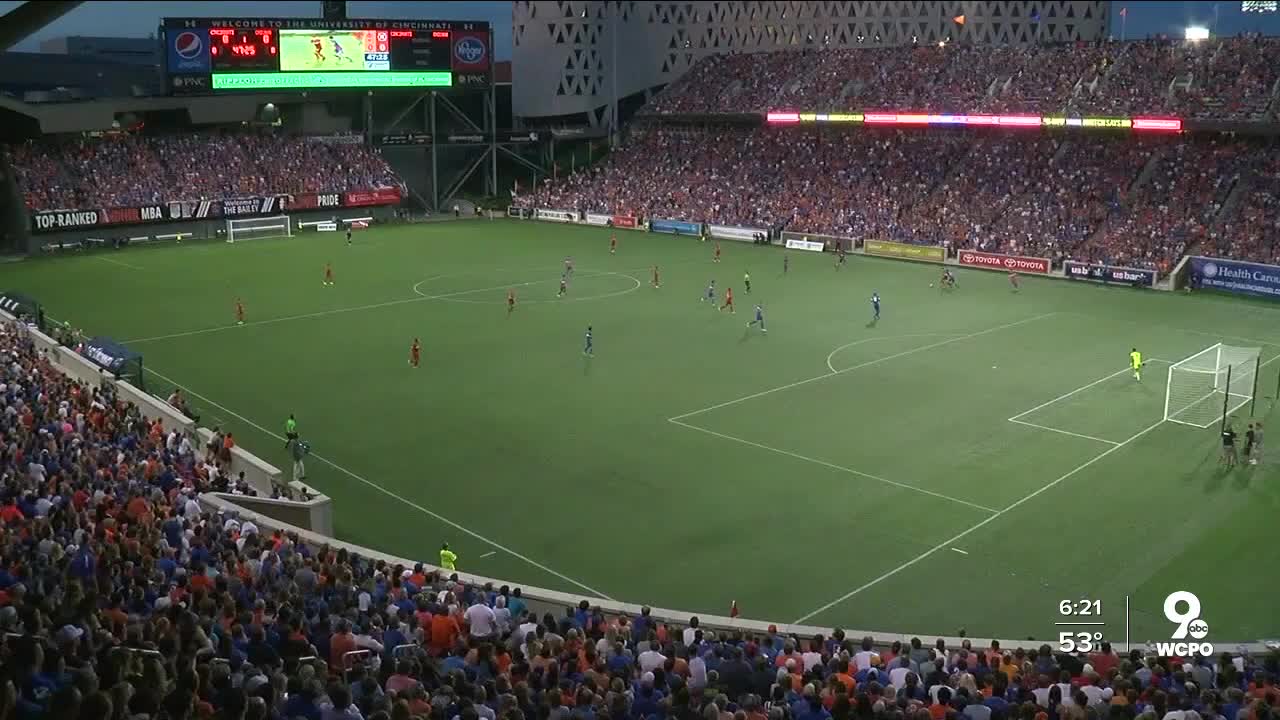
(1135, 360)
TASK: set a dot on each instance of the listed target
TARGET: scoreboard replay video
(217, 55)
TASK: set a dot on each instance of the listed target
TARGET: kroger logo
(1211, 269)
(188, 45)
(470, 51)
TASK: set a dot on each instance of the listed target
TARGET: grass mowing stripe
(390, 494)
(833, 466)
(859, 366)
(960, 536)
(982, 524)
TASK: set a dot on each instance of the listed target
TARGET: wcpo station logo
(1188, 624)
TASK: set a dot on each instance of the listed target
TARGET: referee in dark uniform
(1229, 446)
(1249, 438)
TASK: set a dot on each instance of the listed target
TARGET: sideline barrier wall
(262, 475)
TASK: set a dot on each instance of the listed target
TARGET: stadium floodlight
(1215, 382)
(263, 227)
(1197, 32)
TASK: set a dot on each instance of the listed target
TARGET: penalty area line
(461, 528)
(951, 541)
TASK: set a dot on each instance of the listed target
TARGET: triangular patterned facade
(564, 48)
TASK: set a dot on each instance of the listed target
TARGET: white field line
(419, 297)
(833, 466)
(983, 523)
(1082, 388)
(965, 533)
(1063, 432)
(859, 366)
(113, 261)
(884, 337)
(962, 552)
(492, 543)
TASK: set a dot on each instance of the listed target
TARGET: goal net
(255, 228)
(1214, 382)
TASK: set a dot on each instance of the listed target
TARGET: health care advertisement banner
(996, 261)
(1109, 274)
(178, 210)
(929, 253)
(730, 232)
(1233, 276)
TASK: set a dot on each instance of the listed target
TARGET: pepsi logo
(470, 51)
(188, 45)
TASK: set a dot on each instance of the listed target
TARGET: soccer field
(832, 471)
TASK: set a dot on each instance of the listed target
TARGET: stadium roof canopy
(29, 17)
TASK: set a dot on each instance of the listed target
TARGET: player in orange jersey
(613, 244)
(717, 257)
(239, 312)
(328, 274)
(657, 283)
(511, 301)
(415, 352)
(1013, 280)
(728, 300)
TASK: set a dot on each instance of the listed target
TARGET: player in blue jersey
(564, 286)
(759, 319)
(875, 306)
(338, 54)
(786, 262)
(711, 293)
(588, 349)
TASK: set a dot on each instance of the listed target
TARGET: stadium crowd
(123, 598)
(129, 170)
(1141, 201)
(1232, 78)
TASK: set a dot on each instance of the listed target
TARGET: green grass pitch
(843, 473)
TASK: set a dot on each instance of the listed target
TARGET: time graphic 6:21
(1080, 607)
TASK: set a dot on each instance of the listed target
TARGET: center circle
(599, 285)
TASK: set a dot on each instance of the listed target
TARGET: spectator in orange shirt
(444, 631)
(938, 710)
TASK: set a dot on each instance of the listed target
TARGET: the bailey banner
(1234, 276)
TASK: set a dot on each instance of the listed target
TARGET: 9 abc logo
(1189, 624)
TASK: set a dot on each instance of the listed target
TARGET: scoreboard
(229, 55)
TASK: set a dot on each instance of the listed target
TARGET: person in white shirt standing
(482, 621)
(691, 632)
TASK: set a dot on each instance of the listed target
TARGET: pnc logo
(188, 45)
(470, 51)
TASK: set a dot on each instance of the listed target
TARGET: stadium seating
(128, 170)
(122, 597)
(1143, 201)
(1234, 78)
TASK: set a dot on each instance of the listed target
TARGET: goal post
(1206, 387)
(258, 228)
